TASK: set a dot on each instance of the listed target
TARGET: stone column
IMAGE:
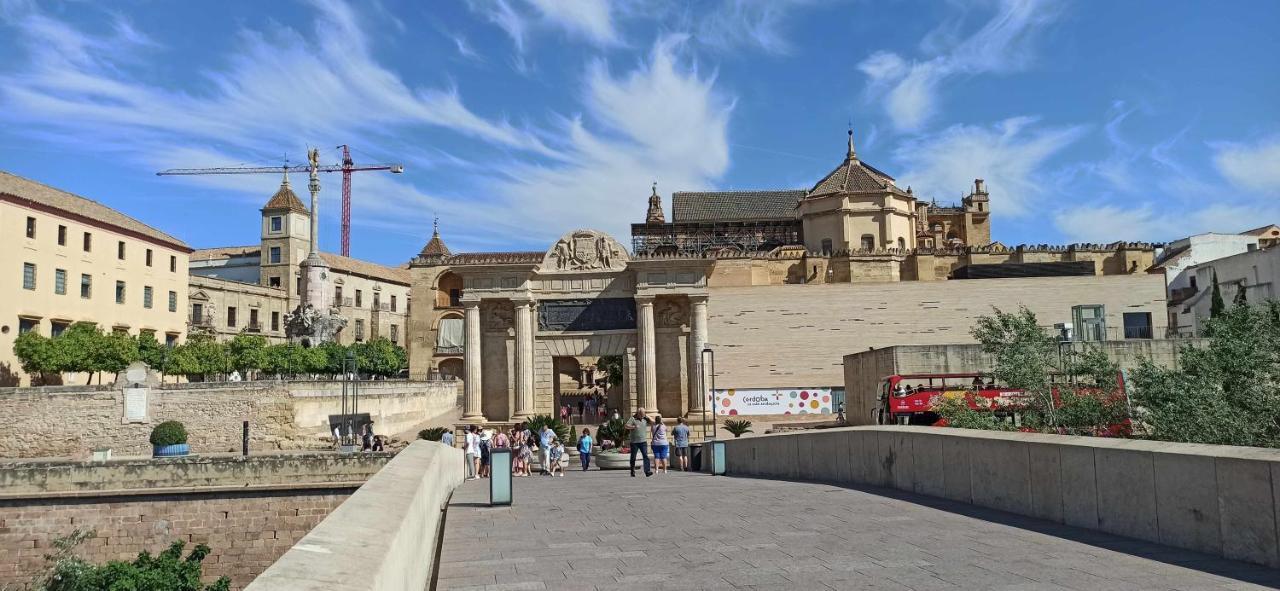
(697, 340)
(471, 398)
(524, 359)
(648, 358)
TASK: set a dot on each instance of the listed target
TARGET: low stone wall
(249, 511)
(1219, 500)
(50, 478)
(384, 538)
(71, 421)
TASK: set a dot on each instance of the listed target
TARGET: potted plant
(433, 433)
(169, 439)
(618, 456)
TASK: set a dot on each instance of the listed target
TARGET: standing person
(526, 457)
(472, 447)
(681, 436)
(564, 412)
(616, 416)
(545, 437)
(500, 440)
(447, 438)
(661, 447)
(486, 436)
(638, 425)
(584, 449)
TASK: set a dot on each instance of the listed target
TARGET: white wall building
(1256, 271)
(1179, 260)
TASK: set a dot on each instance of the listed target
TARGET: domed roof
(285, 199)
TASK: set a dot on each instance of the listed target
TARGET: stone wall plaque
(135, 405)
(593, 314)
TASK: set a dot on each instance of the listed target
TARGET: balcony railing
(253, 327)
(204, 320)
(449, 350)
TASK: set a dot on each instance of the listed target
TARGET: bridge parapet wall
(1220, 500)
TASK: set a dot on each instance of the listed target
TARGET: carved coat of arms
(584, 250)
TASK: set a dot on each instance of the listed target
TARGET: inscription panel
(592, 314)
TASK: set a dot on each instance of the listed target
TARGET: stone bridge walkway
(607, 531)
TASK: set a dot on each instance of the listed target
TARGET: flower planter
(169, 451)
(613, 461)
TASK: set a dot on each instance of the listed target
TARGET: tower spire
(852, 155)
(654, 215)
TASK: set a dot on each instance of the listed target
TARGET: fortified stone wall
(797, 335)
(69, 421)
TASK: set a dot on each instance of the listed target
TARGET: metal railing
(202, 320)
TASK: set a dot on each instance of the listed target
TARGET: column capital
(522, 301)
(645, 299)
(471, 303)
(699, 298)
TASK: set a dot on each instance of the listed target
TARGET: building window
(253, 319)
(26, 325)
(88, 242)
(1137, 325)
(826, 246)
(62, 235)
(395, 334)
(868, 242)
(86, 286)
(902, 243)
(119, 292)
(28, 276)
(148, 257)
(377, 300)
(197, 314)
(173, 301)
(120, 250)
(170, 339)
(57, 328)
(359, 298)
(31, 227)
(277, 224)
(146, 296)
(393, 303)
(337, 295)
(273, 282)
(231, 316)
(455, 297)
(60, 281)
(173, 264)
(1090, 322)
(275, 254)
(275, 321)
(298, 287)
(359, 328)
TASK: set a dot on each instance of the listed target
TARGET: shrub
(167, 571)
(955, 412)
(562, 431)
(169, 433)
(433, 434)
(614, 430)
(737, 426)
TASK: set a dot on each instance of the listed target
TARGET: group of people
(591, 406)
(642, 432)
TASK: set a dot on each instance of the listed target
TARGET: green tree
(150, 351)
(1024, 355)
(114, 353)
(612, 366)
(379, 357)
(1216, 305)
(200, 357)
(248, 352)
(77, 348)
(35, 353)
(167, 571)
(737, 427)
(334, 356)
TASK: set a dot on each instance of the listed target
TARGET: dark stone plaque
(597, 314)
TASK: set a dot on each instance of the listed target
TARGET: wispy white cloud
(1250, 166)
(1107, 222)
(589, 20)
(1010, 156)
(464, 48)
(909, 88)
(733, 24)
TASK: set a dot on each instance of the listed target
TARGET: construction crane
(346, 168)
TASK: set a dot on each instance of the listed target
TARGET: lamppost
(350, 399)
(709, 359)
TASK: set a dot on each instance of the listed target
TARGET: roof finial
(435, 226)
(852, 155)
(655, 189)
(285, 182)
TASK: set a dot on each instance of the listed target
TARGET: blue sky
(518, 120)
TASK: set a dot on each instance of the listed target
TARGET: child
(557, 452)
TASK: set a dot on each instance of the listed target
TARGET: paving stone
(607, 531)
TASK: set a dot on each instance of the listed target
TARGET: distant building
(1182, 261)
(1256, 272)
(70, 259)
(251, 288)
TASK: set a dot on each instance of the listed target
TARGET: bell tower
(286, 233)
(654, 215)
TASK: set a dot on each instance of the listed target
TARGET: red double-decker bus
(907, 399)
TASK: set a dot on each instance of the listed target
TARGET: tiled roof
(1260, 230)
(352, 266)
(435, 247)
(729, 206)
(854, 176)
(21, 189)
(495, 258)
(285, 199)
(225, 252)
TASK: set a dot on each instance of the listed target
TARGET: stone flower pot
(170, 451)
(609, 460)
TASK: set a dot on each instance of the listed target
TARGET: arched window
(449, 291)
(868, 242)
(451, 335)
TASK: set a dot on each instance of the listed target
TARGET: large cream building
(251, 288)
(68, 259)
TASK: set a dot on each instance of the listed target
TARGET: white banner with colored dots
(772, 401)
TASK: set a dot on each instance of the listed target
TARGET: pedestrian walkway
(608, 531)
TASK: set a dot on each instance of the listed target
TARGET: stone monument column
(524, 359)
(471, 388)
(697, 340)
(648, 370)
